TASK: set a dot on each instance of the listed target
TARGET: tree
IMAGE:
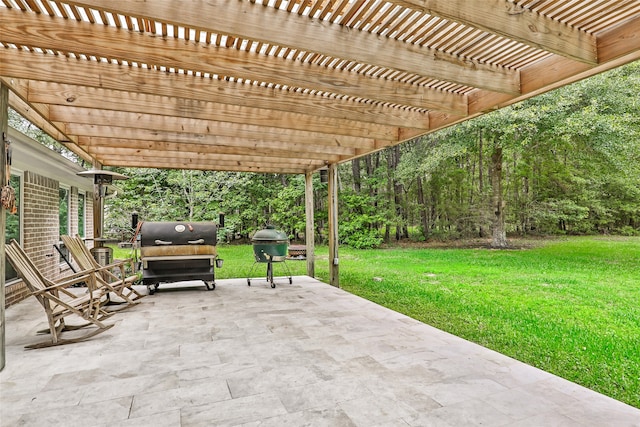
(567, 161)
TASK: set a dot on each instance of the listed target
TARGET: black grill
(178, 251)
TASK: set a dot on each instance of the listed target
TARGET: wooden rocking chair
(121, 285)
(58, 301)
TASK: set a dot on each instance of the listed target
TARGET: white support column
(334, 272)
(98, 211)
(4, 128)
(310, 230)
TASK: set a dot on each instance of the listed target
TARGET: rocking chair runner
(58, 302)
(121, 285)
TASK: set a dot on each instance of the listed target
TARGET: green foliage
(249, 201)
(571, 165)
(564, 214)
(361, 221)
(289, 207)
(565, 306)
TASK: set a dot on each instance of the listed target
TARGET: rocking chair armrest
(117, 262)
(106, 269)
(80, 277)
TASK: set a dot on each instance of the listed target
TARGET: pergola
(288, 86)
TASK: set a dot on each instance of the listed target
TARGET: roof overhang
(289, 86)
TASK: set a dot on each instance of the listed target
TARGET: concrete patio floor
(301, 354)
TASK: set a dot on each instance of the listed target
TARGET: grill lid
(178, 233)
(270, 234)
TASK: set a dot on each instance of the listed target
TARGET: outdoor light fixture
(324, 176)
(101, 177)
(102, 180)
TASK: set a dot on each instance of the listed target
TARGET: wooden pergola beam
(93, 98)
(92, 74)
(261, 167)
(618, 46)
(109, 42)
(249, 20)
(204, 157)
(90, 117)
(266, 137)
(505, 18)
(169, 149)
(164, 139)
(236, 146)
(37, 114)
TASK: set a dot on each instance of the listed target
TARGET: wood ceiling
(289, 86)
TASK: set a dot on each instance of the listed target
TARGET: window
(64, 220)
(81, 214)
(13, 226)
(64, 211)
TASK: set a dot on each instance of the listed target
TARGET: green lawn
(570, 306)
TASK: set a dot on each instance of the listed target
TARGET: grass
(570, 307)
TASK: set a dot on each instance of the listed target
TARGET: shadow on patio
(301, 354)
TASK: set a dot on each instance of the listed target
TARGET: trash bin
(102, 255)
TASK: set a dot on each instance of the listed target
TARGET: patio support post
(334, 277)
(4, 128)
(98, 211)
(309, 233)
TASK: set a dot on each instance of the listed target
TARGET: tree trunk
(423, 208)
(371, 164)
(355, 169)
(390, 193)
(394, 187)
(481, 231)
(372, 161)
(499, 235)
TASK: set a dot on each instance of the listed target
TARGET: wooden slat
(299, 32)
(259, 167)
(234, 146)
(619, 46)
(110, 127)
(95, 136)
(254, 160)
(37, 114)
(80, 96)
(619, 41)
(106, 42)
(201, 121)
(504, 18)
(327, 93)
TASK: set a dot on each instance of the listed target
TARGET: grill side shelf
(146, 260)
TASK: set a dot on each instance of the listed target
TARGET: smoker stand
(167, 269)
(270, 260)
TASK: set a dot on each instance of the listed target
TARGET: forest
(564, 162)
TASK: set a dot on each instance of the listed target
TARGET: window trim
(84, 213)
(20, 174)
(61, 186)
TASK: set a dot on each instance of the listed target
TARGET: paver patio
(301, 354)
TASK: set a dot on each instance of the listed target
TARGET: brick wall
(40, 218)
(14, 293)
(40, 222)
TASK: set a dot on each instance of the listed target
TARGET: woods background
(565, 162)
